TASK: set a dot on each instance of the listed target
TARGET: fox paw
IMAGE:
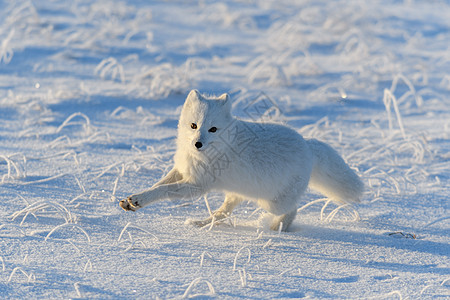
(200, 223)
(218, 217)
(129, 204)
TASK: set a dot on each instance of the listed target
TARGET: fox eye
(194, 126)
(213, 129)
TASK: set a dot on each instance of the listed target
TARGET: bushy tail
(331, 176)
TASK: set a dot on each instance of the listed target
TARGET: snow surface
(90, 93)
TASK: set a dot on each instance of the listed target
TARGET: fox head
(202, 121)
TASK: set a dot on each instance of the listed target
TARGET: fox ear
(225, 99)
(194, 95)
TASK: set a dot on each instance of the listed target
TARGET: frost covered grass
(90, 94)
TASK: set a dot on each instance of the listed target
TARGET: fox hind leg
(282, 222)
(224, 211)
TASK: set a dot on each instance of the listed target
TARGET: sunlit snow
(90, 95)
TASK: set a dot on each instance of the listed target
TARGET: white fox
(267, 163)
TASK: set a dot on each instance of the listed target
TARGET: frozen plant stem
(66, 225)
(237, 256)
(87, 126)
(389, 99)
(243, 277)
(131, 225)
(202, 257)
(3, 263)
(193, 284)
(30, 276)
(207, 206)
(76, 285)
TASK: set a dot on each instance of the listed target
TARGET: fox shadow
(375, 240)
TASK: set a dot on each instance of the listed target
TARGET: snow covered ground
(90, 93)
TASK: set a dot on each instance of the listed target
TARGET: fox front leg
(133, 204)
(177, 190)
(137, 201)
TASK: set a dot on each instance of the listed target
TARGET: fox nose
(198, 145)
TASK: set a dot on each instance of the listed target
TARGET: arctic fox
(269, 164)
